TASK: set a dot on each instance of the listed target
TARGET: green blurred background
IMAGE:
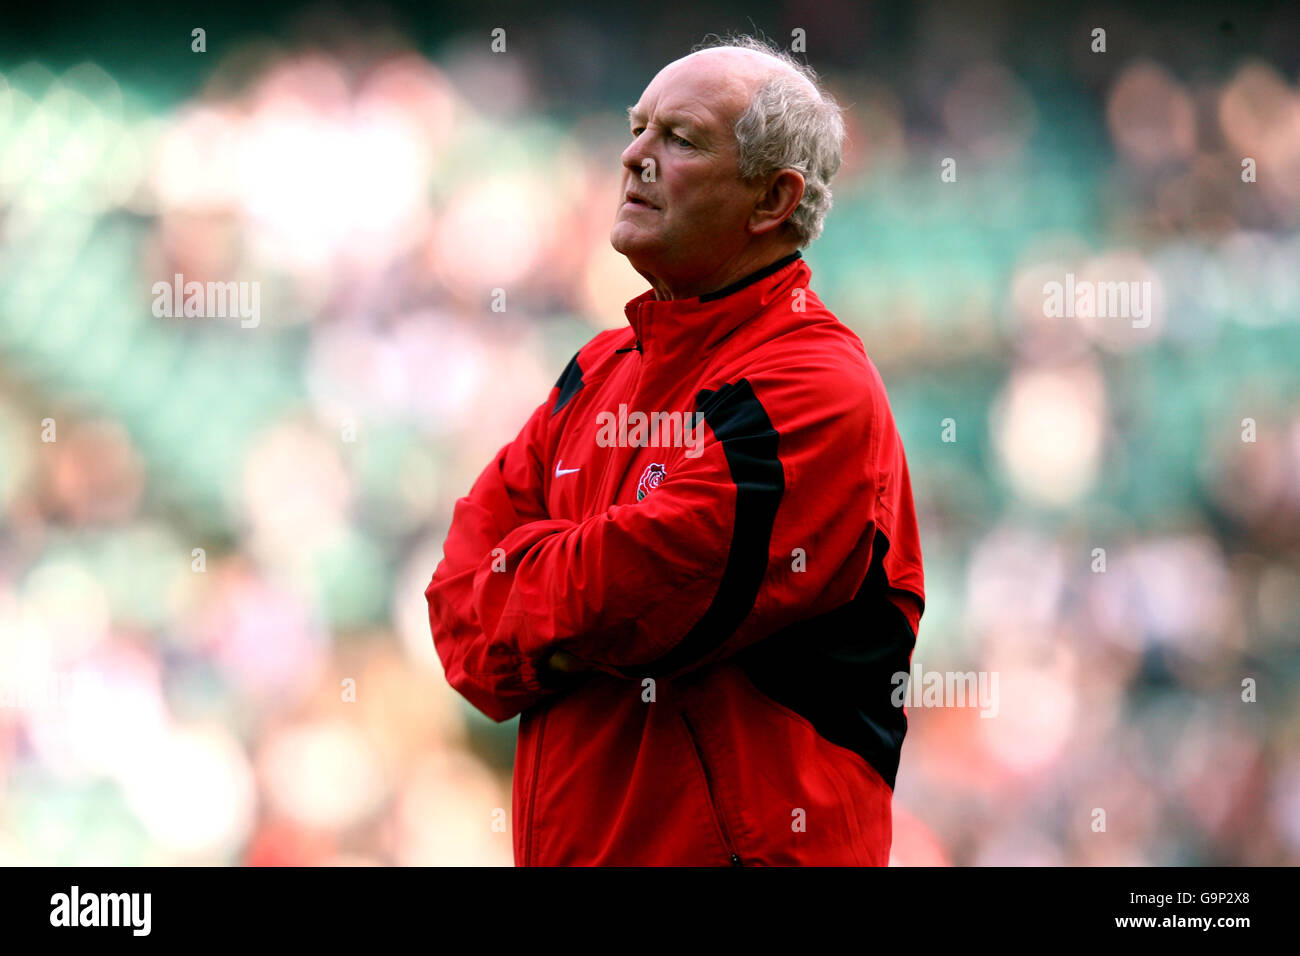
(378, 173)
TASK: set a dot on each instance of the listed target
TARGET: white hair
(791, 123)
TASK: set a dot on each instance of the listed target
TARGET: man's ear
(778, 202)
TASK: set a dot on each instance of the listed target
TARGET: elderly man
(701, 636)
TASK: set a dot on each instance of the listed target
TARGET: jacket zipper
(718, 819)
(631, 394)
(532, 796)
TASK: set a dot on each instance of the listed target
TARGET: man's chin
(631, 243)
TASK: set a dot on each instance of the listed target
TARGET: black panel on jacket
(569, 382)
(749, 441)
(837, 670)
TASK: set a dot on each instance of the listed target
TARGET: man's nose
(637, 152)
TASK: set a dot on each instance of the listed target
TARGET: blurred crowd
(214, 540)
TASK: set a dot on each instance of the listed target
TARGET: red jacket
(747, 582)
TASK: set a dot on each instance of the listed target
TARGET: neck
(737, 268)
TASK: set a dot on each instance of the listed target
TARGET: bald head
(753, 66)
(724, 142)
(737, 74)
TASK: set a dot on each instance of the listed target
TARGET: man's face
(697, 207)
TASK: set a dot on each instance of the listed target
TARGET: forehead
(708, 87)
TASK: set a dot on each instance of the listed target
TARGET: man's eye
(638, 130)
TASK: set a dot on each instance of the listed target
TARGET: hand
(560, 664)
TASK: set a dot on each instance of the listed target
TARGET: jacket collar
(666, 327)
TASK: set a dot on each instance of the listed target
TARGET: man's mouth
(632, 199)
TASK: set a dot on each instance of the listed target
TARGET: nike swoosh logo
(564, 471)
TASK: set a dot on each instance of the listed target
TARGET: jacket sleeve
(770, 524)
(508, 494)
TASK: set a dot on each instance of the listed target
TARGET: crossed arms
(522, 602)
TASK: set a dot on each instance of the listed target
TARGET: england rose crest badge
(650, 479)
